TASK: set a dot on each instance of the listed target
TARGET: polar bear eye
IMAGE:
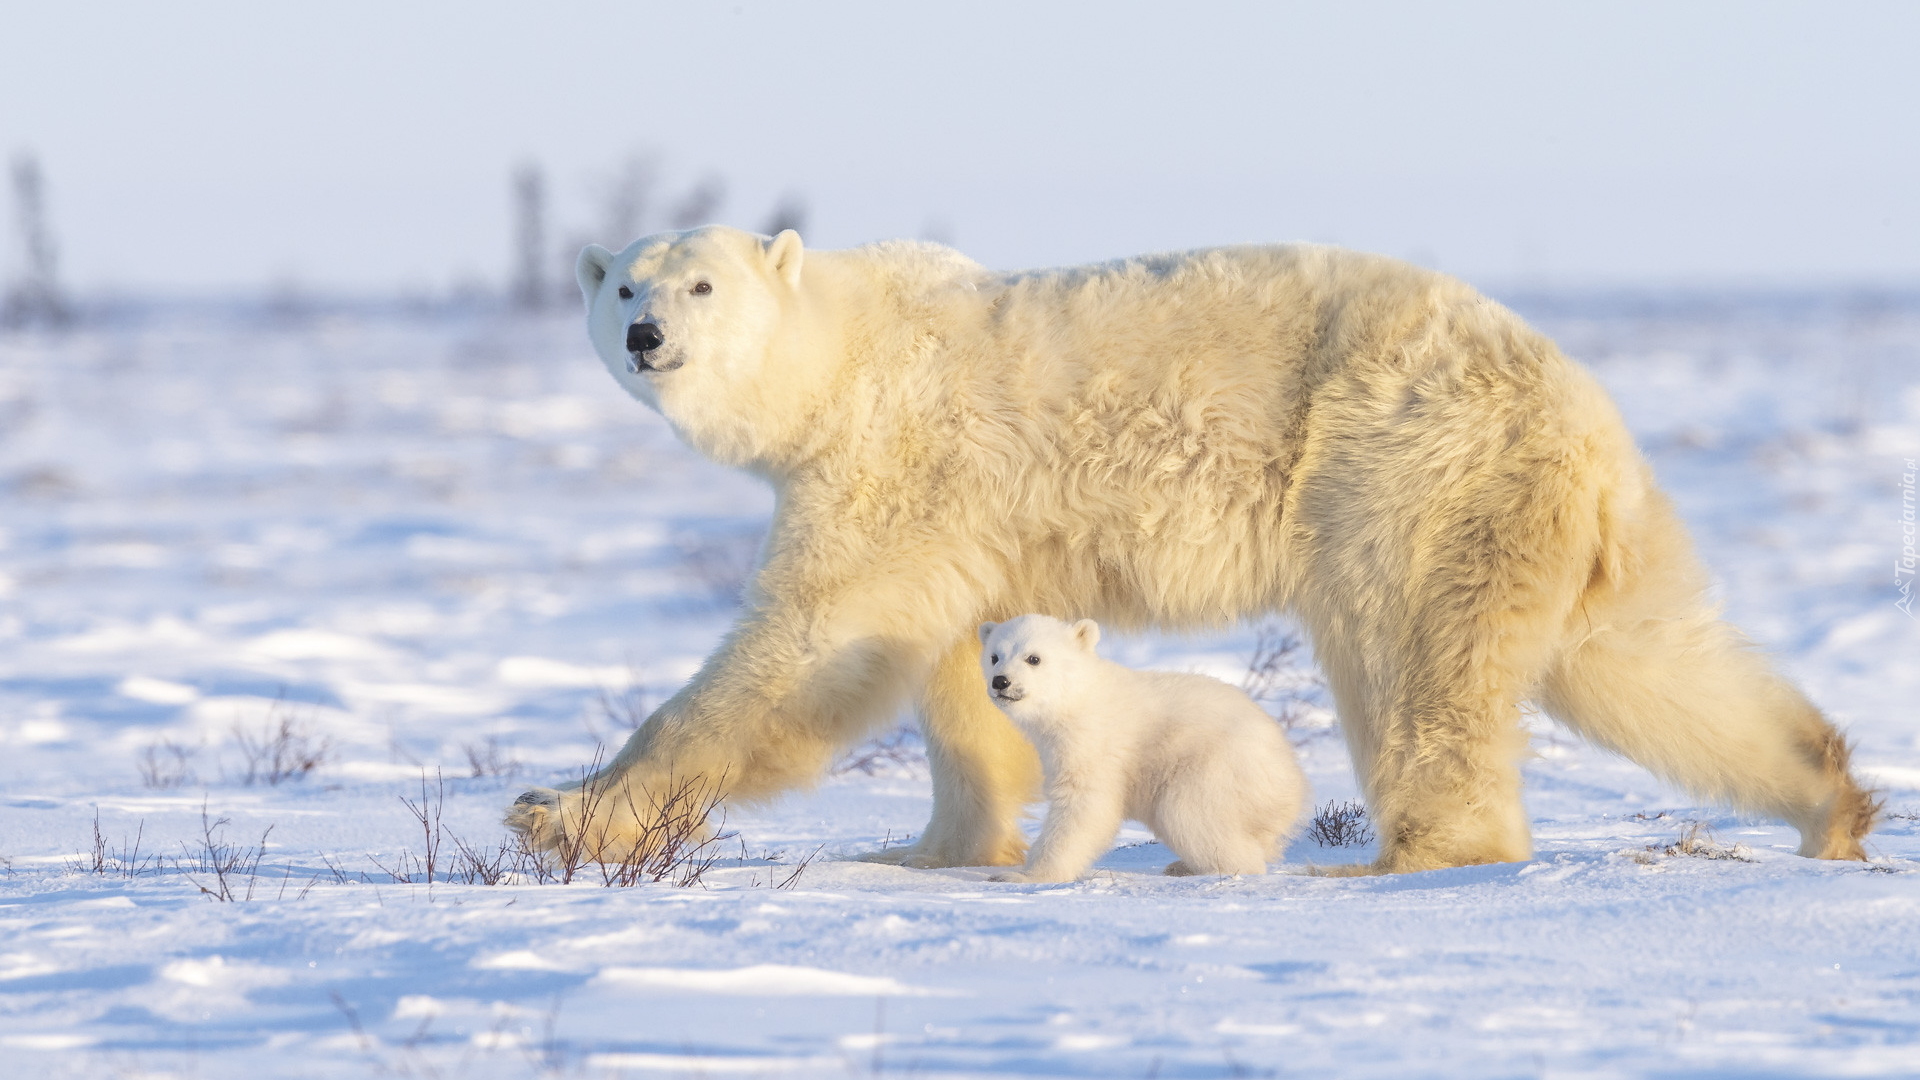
(701, 288)
(994, 659)
(626, 293)
(1034, 660)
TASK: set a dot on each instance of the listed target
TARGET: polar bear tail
(1652, 673)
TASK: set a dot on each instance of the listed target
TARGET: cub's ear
(986, 631)
(1086, 633)
(591, 269)
(783, 257)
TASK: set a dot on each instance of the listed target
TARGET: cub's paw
(1179, 868)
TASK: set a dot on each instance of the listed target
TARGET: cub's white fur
(1190, 757)
(1451, 508)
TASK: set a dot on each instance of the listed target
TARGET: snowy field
(445, 544)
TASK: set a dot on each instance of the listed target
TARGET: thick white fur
(1453, 510)
(1190, 757)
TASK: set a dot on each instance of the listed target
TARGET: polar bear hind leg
(1429, 661)
(1657, 677)
(1443, 772)
(1216, 820)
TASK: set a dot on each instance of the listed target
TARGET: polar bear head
(699, 326)
(1034, 663)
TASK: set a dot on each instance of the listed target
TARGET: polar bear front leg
(616, 816)
(1081, 823)
(984, 772)
(748, 727)
(659, 791)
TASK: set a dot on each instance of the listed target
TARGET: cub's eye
(701, 288)
(1034, 660)
(994, 659)
(626, 293)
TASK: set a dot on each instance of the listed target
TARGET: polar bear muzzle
(1004, 689)
(643, 338)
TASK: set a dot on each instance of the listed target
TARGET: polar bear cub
(1190, 757)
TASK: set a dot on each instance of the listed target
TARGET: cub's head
(1030, 662)
(695, 324)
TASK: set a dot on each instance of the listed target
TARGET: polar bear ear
(1087, 633)
(591, 269)
(783, 256)
(986, 631)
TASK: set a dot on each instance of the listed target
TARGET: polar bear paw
(535, 817)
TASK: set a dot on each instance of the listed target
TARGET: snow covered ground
(445, 542)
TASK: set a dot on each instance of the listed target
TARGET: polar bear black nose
(1000, 682)
(644, 337)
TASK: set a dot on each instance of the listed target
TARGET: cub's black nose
(1000, 682)
(644, 337)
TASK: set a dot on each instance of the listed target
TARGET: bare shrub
(721, 562)
(530, 237)
(465, 864)
(700, 203)
(1697, 841)
(340, 876)
(789, 213)
(284, 748)
(1340, 824)
(1273, 667)
(126, 861)
(97, 864)
(675, 842)
(792, 879)
(45, 482)
(900, 748)
(1277, 672)
(445, 857)
(491, 759)
(509, 862)
(411, 869)
(219, 865)
(626, 709)
(411, 1057)
(36, 296)
(166, 764)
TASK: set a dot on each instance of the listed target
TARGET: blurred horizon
(298, 156)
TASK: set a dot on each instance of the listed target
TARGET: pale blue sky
(366, 146)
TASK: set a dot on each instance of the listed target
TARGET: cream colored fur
(1452, 508)
(1190, 757)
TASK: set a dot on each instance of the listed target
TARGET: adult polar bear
(1453, 509)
